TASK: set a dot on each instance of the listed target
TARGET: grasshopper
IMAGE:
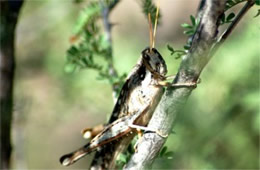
(138, 98)
(136, 103)
(133, 110)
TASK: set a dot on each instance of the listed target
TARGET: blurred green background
(218, 128)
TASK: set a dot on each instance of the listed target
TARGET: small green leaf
(193, 20)
(178, 56)
(73, 50)
(163, 151)
(258, 13)
(185, 25)
(257, 2)
(230, 17)
(186, 47)
(189, 32)
(197, 21)
(170, 48)
(123, 158)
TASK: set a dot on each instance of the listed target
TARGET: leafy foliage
(257, 14)
(149, 7)
(228, 19)
(93, 45)
(87, 17)
(191, 29)
(178, 53)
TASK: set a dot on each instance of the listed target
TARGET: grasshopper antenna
(155, 23)
(150, 31)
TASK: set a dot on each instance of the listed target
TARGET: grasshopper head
(154, 61)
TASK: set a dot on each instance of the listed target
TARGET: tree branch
(9, 15)
(191, 66)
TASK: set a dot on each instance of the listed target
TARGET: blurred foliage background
(218, 128)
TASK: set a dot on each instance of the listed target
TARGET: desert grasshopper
(135, 105)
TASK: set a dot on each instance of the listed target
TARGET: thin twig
(233, 24)
(107, 28)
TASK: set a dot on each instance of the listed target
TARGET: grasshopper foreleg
(144, 128)
(189, 84)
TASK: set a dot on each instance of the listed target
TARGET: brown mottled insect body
(138, 98)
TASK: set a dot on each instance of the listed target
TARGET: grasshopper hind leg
(90, 133)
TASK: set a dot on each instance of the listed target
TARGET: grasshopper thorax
(154, 62)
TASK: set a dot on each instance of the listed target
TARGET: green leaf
(230, 17)
(123, 158)
(186, 47)
(170, 48)
(258, 13)
(189, 32)
(73, 50)
(257, 2)
(193, 20)
(178, 56)
(185, 25)
(197, 21)
(86, 15)
(163, 151)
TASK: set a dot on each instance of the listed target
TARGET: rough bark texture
(204, 44)
(9, 15)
